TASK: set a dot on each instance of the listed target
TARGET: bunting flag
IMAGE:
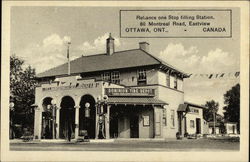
(216, 75)
(237, 74)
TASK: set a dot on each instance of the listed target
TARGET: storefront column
(38, 123)
(107, 122)
(57, 121)
(157, 122)
(77, 121)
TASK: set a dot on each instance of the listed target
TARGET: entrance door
(134, 127)
(180, 122)
(198, 125)
(67, 118)
(233, 129)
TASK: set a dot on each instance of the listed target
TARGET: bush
(186, 134)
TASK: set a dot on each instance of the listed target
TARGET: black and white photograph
(123, 78)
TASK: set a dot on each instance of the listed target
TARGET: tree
(22, 92)
(232, 108)
(212, 107)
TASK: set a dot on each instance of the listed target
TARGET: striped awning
(135, 101)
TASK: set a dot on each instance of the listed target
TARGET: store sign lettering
(76, 86)
(129, 92)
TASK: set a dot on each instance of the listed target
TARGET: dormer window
(142, 77)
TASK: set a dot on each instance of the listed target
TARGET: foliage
(232, 108)
(212, 107)
(22, 91)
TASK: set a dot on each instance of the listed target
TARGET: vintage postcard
(125, 81)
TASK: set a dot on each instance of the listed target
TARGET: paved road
(180, 145)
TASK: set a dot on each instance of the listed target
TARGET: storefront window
(142, 77)
(115, 77)
(172, 118)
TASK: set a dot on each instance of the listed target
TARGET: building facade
(191, 119)
(124, 94)
(230, 128)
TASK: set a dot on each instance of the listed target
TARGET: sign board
(129, 92)
(146, 121)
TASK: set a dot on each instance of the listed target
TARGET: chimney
(144, 46)
(110, 45)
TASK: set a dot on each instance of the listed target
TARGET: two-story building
(118, 94)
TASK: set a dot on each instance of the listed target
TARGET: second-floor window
(142, 77)
(168, 80)
(115, 77)
(175, 82)
(106, 76)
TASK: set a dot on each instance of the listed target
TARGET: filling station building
(123, 94)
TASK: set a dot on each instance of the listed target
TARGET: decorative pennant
(217, 75)
(211, 75)
(237, 74)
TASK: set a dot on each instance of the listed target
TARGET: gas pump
(101, 116)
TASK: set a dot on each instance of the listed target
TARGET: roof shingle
(101, 62)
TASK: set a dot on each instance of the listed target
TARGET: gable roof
(101, 62)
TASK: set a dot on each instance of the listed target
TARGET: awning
(135, 101)
(182, 108)
(185, 107)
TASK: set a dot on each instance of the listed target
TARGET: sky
(39, 36)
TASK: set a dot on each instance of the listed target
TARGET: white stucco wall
(229, 128)
(173, 98)
(193, 116)
(128, 78)
(162, 78)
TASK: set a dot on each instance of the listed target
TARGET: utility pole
(68, 58)
(214, 122)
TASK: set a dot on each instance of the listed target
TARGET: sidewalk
(60, 141)
(16, 141)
